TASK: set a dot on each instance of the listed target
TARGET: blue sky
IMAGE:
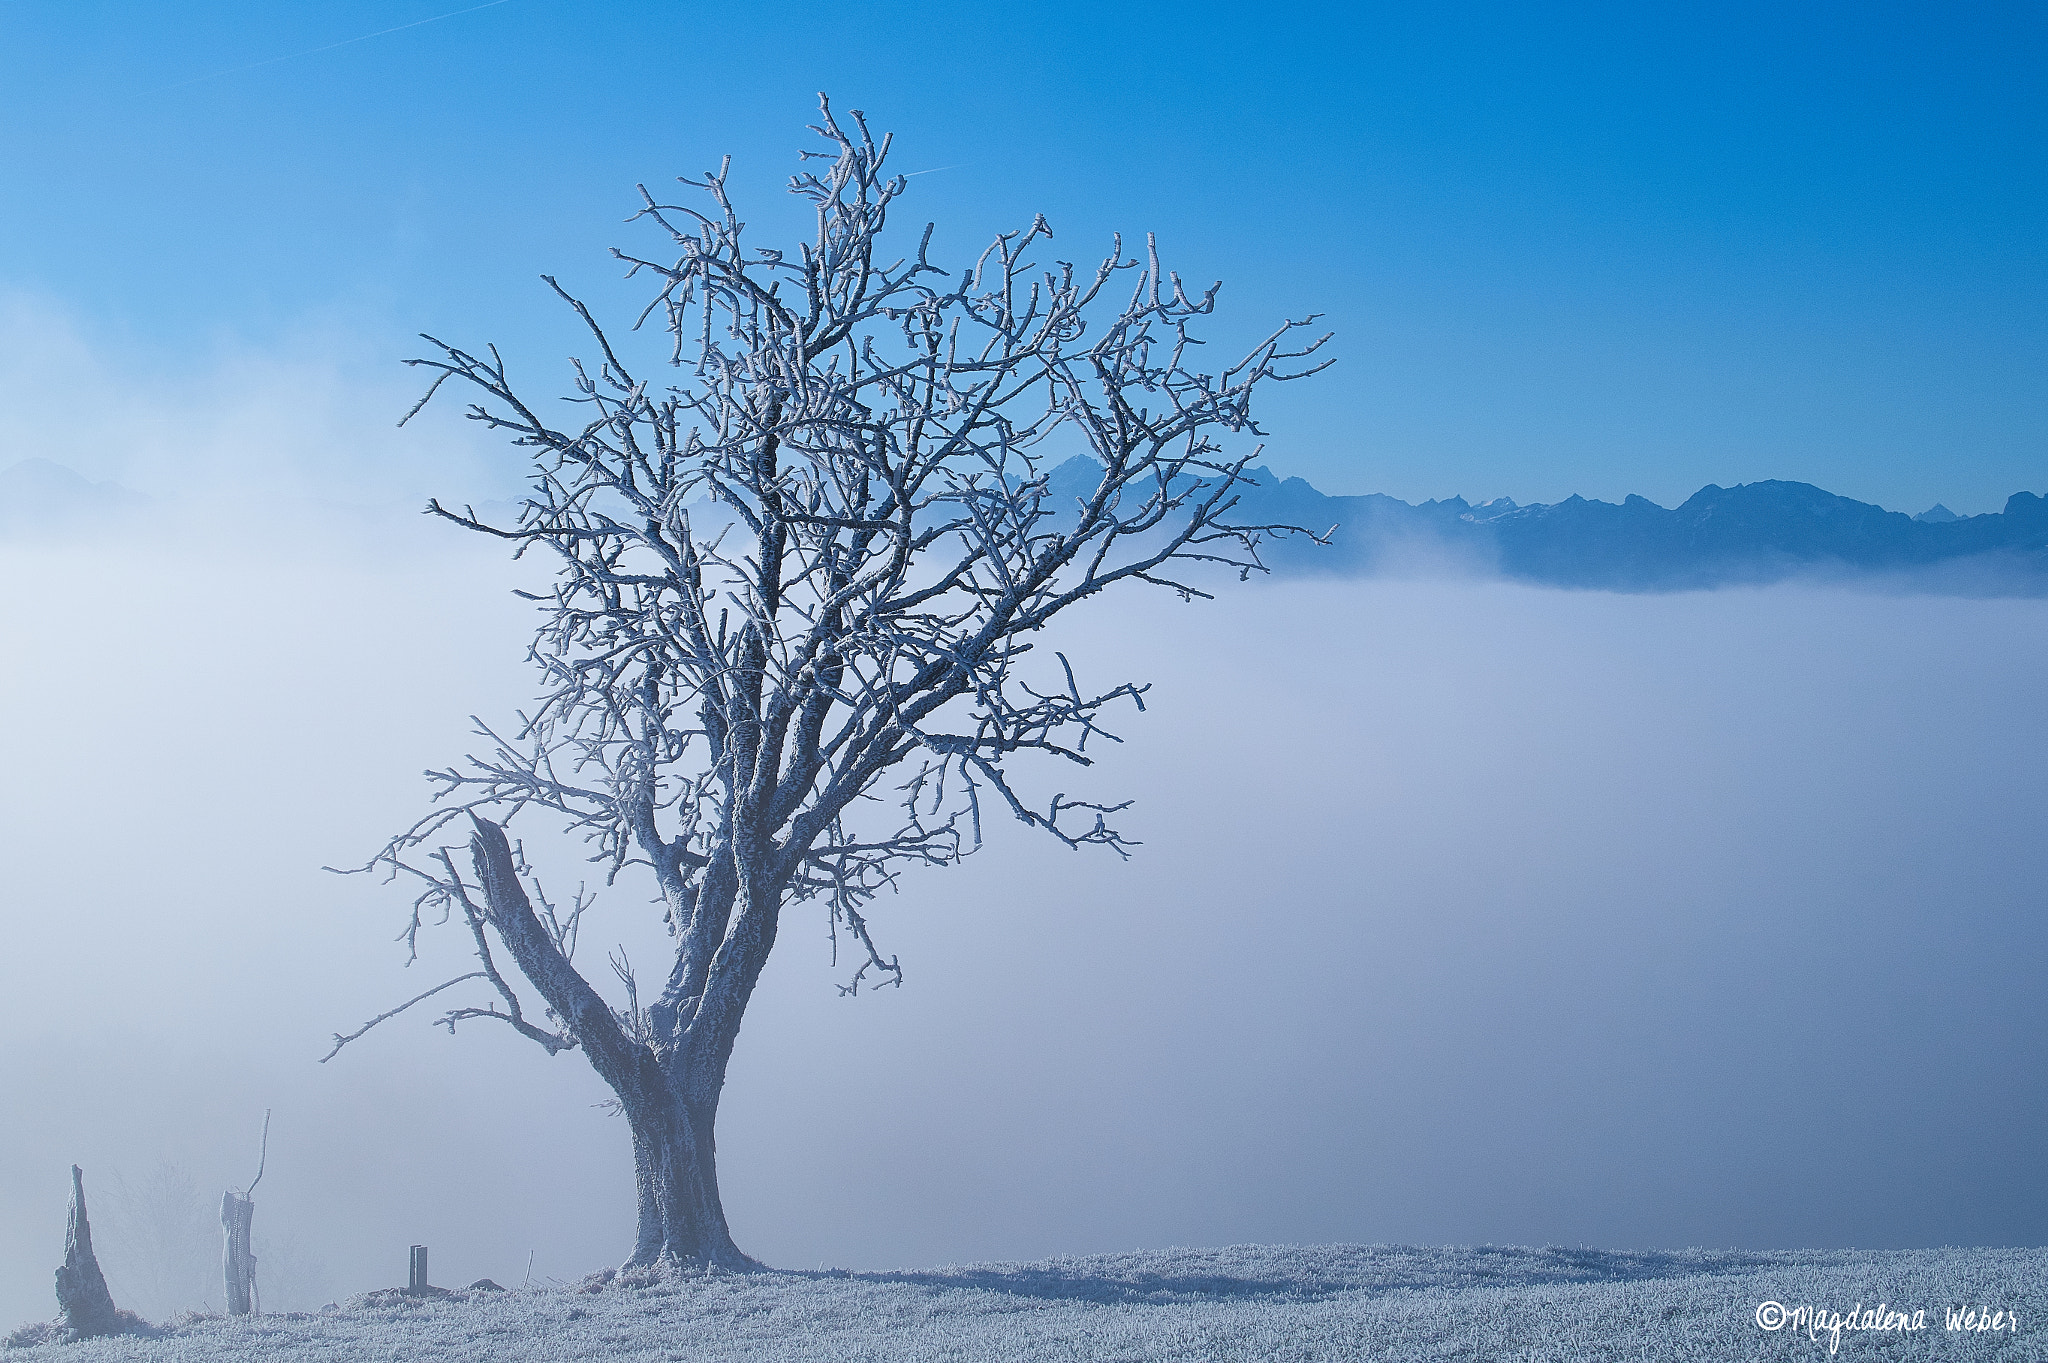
(1578, 248)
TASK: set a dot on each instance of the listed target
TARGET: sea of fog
(1464, 913)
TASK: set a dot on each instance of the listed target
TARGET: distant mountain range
(1754, 533)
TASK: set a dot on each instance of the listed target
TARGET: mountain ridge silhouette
(1752, 533)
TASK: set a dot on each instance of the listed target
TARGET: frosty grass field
(1245, 1302)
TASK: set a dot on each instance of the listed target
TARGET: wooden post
(416, 1276)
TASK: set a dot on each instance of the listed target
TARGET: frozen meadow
(1251, 1302)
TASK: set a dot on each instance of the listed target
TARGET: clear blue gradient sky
(1593, 248)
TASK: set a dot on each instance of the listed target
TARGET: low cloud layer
(1465, 912)
(309, 417)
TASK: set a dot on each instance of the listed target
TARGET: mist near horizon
(1465, 912)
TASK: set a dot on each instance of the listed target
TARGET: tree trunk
(675, 1173)
(670, 1105)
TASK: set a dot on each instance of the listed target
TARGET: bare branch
(340, 1040)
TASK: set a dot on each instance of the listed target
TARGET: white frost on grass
(1247, 1302)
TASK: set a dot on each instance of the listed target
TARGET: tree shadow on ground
(1313, 1274)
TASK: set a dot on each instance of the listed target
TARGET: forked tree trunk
(675, 1173)
(675, 1167)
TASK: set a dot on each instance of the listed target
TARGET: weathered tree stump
(237, 1260)
(82, 1294)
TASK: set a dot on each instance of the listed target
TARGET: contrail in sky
(311, 51)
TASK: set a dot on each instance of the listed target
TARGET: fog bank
(1465, 912)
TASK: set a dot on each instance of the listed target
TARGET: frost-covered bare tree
(800, 572)
(164, 1249)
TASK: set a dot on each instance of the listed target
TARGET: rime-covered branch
(340, 1040)
(826, 548)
